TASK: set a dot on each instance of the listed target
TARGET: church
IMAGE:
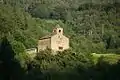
(56, 41)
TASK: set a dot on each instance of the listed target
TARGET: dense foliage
(93, 26)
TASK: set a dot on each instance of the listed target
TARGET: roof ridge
(48, 36)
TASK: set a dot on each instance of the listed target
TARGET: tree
(10, 68)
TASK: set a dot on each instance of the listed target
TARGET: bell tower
(58, 30)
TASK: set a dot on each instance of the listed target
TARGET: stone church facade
(56, 41)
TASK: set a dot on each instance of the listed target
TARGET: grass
(110, 58)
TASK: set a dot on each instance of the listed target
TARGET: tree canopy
(93, 26)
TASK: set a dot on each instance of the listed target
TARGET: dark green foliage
(64, 60)
(68, 65)
(89, 23)
(40, 11)
(92, 27)
(10, 68)
(18, 47)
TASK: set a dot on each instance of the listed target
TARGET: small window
(60, 48)
(54, 30)
(59, 31)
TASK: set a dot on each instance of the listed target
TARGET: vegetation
(92, 26)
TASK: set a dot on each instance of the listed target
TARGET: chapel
(56, 41)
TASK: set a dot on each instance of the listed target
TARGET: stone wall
(31, 50)
(59, 43)
(43, 44)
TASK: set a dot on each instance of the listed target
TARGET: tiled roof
(47, 36)
(50, 35)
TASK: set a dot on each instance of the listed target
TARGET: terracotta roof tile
(47, 36)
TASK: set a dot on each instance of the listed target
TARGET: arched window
(54, 30)
(59, 31)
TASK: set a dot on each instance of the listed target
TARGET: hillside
(93, 26)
